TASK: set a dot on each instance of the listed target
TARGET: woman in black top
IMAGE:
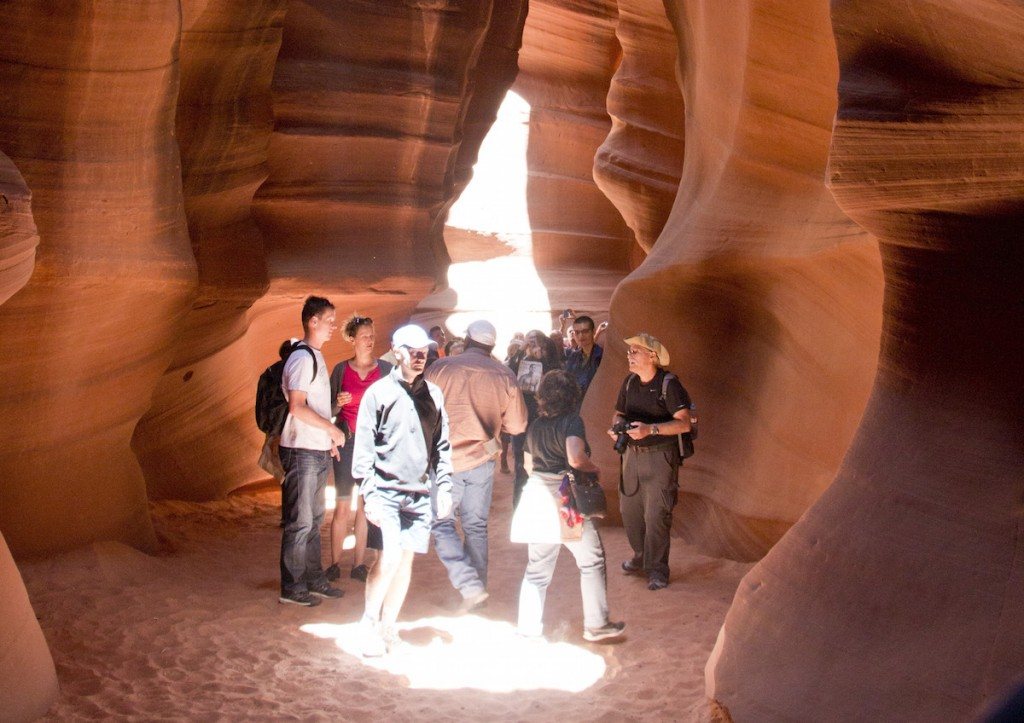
(557, 442)
(541, 350)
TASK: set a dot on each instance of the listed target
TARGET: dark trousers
(302, 502)
(519, 457)
(650, 487)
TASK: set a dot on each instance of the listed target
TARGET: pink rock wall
(899, 594)
(197, 439)
(18, 235)
(28, 679)
(767, 296)
(87, 339)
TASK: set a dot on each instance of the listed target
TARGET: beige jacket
(482, 399)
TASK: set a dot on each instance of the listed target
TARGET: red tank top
(351, 383)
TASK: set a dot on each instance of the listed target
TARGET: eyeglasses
(634, 352)
(416, 354)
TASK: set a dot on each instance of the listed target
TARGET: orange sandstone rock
(28, 679)
(197, 441)
(639, 164)
(18, 235)
(766, 295)
(899, 594)
(89, 99)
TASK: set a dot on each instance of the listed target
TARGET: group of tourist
(414, 448)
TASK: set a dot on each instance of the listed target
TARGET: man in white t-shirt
(308, 441)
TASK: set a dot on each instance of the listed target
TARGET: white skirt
(536, 519)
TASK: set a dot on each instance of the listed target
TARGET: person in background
(583, 361)
(404, 459)
(454, 347)
(557, 442)
(513, 355)
(483, 400)
(349, 380)
(437, 334)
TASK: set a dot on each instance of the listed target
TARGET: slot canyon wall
(28, 679)
(88, 99)
(899, 594)
(766, 294)
(211, 162)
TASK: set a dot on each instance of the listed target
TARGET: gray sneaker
(326, 590)
(605, 632)
(299, 598)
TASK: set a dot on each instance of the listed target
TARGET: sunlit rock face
(766, 295)
(18, 235)
(28, 680)
(580, 245)
(370, 102)
(198, 438)
(899, 595)
(639, 164)
(88, 98)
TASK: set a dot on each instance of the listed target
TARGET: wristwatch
(654, 429)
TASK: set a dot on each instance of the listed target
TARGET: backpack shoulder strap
(664, 384)
(300, 345)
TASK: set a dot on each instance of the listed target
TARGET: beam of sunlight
(449, 653)
(489, 238)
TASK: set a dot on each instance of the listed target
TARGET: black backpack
(271, 404)
(686, 438)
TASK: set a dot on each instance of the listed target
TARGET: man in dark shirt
(657, 407)
(583, 361)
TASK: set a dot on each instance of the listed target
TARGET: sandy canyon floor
(196, 632)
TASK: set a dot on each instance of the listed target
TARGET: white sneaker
(372, 644)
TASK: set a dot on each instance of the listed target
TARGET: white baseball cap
(482, 332)
(411, 336)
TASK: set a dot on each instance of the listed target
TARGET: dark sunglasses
(416, 354)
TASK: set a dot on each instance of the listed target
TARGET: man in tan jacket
(483, 400)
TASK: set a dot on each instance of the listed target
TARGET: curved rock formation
(28, 680)
(18, 236)
(89, 336)
(899, 594)
(370, 103)
(767, 296)
(568, 58)
(639, 164)
(197, 439)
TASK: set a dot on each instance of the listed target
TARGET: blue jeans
(466, 560)
(589, 554)
(302, 511)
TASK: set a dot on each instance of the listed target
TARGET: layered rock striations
(899, 594)
(569, 55)
(18, 235)
(370, 105)
(88, 97)
(640, 162)
(766, 295)
(197, 439)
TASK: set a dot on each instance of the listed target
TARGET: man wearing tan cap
(654, 406)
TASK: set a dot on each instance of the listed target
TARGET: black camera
(621, 428)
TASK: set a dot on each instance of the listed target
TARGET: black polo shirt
(641, 402)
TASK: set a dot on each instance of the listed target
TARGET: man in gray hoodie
(404, 458)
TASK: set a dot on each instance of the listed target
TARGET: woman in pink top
(349, 380)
